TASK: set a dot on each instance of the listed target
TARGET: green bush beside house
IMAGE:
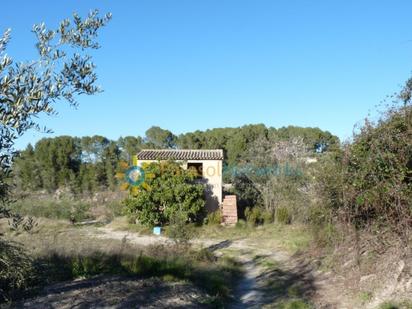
(170, 189)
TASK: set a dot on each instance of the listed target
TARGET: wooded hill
(89, 164)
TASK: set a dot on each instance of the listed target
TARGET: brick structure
(229, 209)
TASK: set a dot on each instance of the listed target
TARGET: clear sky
(191, 64)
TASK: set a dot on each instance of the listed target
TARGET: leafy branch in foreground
(62, 71)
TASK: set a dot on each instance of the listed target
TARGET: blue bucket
(157, 230)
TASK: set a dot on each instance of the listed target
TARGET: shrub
(377, 169)
(16, 268)
(214, 218)
(179, 230)
(321, 223)
(246, 191)
(115, 207)
(168, 188)
(370, 183)
(267, 217)
(329, 181)
(325, 235)
(253, 215)
(241, 224)
(283, 216)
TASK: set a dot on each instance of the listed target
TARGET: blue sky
(186, 65)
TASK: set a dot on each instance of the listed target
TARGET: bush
(241, 224)
(246, 191)
(370, 183)
(378, 172)
(283, 216)
(179, 230)
(115, 207)
(321, 223)
(16, 268)
(214, 218)
(168, 188)
(329, 181)
(253, 215)
(268, 217)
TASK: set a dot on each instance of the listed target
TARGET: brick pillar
(229, 209)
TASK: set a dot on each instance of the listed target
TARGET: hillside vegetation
(89, 164)
(348, 206)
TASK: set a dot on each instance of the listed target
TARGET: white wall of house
(212, 175)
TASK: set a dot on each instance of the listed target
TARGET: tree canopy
(170, 190)
(62, 71)
(89, 164)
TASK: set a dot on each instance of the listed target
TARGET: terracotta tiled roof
(180, 154)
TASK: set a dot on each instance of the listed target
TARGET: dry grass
(123, 224)
(62, 251)
(292, 238)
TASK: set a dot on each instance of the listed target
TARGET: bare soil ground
(272, 275)
(253, 290)
(117, 292)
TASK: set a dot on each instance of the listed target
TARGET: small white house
(208, 163)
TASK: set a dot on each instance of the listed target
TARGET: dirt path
(248, 293)
(133, 238)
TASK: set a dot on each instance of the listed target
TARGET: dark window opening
(197, 168)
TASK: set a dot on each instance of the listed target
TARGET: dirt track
(248, 293)
(117, 292)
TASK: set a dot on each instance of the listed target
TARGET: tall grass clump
(283, 215)
(253, 215)
(214, 218)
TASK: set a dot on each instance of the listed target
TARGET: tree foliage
(16, 268)
(369, 183)
(273, 174)
(378, 173)
(83, 165)
(62, 71)
(157, 137)
(170, 189)
(236, 142)
(89, 164)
